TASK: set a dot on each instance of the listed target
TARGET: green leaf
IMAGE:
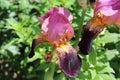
(110, 54)
(97, 77)
(24, 4)
(13, 49)
(108, 38)
(60, 77)
(92, 57)
(93, 73)
(5, 4)
(118, 46)
(104, 68)
(107, 76)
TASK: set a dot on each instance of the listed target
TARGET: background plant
(18, 25)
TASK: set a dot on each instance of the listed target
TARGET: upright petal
(66, 13)
(48, 14)
(69, 61)
(107, 7)
(107, 11)
(55, 26)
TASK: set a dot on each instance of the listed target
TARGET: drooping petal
(69, 61)
(91, 30)
(38, 40)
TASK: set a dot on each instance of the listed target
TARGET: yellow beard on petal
(99, 15)
(96, 22)
(64, 47)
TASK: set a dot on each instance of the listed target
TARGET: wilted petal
(69, 61)
(91, 30)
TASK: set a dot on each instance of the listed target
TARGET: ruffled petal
(55, 26)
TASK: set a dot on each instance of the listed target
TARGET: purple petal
(109, 10)
(55, 26)
(60, 10)
(66, 13)
(91, 30)
(38, 40)
(69, 61)
(107, 7)
(48, 14)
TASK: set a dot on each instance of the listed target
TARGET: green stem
(80, 29)
(50, 72)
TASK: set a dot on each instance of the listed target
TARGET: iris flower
(57, 30)
(106, 12)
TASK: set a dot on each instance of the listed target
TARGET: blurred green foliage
(18, 26)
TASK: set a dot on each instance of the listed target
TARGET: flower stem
(50, 72)
(80, 29)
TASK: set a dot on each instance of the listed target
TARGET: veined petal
(55, 26)
(69, 61)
